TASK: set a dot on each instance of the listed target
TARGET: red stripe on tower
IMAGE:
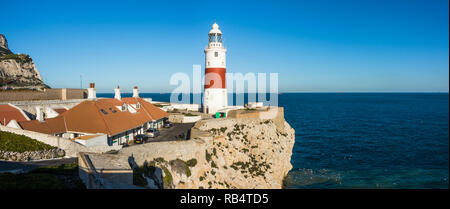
(215, 78)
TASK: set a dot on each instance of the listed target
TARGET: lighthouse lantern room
(215, 95)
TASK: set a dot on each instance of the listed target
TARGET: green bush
(21, 58)
(189, 114)
(167, 179)
(223, 129)
(207, 156)
(20, 143)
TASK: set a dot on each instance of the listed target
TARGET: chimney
(135, 92)
(117, 93)
(92, 95)
(39, 114)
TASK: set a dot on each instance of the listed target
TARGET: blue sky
(315, 46)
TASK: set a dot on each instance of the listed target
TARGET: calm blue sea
(365, 140)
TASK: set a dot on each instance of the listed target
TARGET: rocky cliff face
(225, 153)
(4, 46)
(18, 71)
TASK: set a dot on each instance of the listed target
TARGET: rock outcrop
(18, 71)
(242, 153)
(4, 46)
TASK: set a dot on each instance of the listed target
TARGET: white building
(215, 95)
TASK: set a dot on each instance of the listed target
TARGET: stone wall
(180, 118)
(32, 155)
(47, 94)
(70, 147)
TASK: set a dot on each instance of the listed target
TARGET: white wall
(189, 107)
(101, 140)
(50, 113)
(191, 119)
(215, 99)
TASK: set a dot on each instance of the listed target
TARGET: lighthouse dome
(215, 29)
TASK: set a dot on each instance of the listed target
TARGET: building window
(216, 54)
(138, 105)
(104, 111)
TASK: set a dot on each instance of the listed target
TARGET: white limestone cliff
(244, 153)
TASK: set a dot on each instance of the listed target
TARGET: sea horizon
(364, 140)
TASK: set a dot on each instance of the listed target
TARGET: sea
(364, 140)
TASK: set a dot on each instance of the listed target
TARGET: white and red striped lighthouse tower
(215, 95)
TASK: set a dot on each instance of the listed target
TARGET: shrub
(21, 58)
(159, 160)
(167, 179)
(189, 114)
(207, 156)
(192, 162)
(213, 164)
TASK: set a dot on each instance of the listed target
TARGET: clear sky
(315, 46)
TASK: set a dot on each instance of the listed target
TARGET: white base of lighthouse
(214, 99)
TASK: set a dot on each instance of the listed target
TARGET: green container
(217, 114)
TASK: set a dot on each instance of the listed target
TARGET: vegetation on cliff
(20, 58)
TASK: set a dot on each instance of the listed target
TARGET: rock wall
(32, 155)
(228, 153)
(46, 94)
(4, 45)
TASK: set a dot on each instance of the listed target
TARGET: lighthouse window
(216, 54)
(215, 38)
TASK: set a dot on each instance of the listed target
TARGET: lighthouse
(215, 95)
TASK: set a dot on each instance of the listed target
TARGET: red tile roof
(8, 113)
(49, 126)
(59, 110)
(88, 116)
